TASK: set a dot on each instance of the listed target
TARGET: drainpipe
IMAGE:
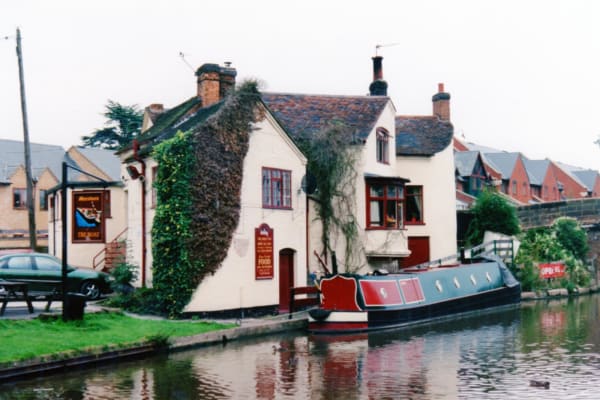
(142, 178)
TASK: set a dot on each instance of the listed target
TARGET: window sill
(277, 208)
(383, 228)
(414, 223)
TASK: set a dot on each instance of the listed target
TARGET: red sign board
(263, 252)
(552, 270)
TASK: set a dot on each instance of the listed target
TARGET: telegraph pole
(28, 174)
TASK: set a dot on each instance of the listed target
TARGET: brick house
(46, 161)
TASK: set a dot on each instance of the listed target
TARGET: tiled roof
(305, 115)
(104, 159)
(503, 162)
(536, 170)
(183, 117)
(464, 162)
(587, 177)
(42, 156)
(422, 135)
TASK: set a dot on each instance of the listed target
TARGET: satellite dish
(309, 184)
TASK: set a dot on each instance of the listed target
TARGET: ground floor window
(19, 198)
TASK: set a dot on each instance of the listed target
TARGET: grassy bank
(54, 339)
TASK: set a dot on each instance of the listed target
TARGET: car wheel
(90, 289)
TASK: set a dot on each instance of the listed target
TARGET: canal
(501, 355)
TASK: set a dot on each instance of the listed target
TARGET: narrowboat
(359, 303)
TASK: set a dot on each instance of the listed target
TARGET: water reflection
(490, 356)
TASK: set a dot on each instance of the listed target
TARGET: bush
(140, 301)
(124, 274)
(492, 212)
(571, 236)
(564, 241)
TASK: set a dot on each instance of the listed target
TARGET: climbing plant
(331, 162)
(174, 270)
(198, 187)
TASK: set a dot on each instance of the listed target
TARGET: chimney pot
(214, 82)
(441, 103)
(378, 87)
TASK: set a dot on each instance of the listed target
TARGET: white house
(424, 153)
(267, 253)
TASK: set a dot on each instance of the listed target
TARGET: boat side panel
(380, 292)
(339, 293)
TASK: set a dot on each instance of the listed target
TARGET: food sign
(552, 270)
(263, 252)
(88, 220)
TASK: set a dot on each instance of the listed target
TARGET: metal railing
(502, 248)
(99, 260)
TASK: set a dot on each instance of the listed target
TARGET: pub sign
(263, 252)
(88, 217)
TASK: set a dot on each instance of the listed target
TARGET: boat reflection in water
(492, 355)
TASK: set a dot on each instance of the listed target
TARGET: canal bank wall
(247, 329)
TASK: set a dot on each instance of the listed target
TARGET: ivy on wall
(198, 185)
(331, 161)
(173, 267)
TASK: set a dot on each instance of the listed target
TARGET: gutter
(142, 178)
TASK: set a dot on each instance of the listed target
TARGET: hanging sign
(552, 270)
(263, 252)
(88, 219)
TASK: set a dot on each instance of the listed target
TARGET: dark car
(43, 273)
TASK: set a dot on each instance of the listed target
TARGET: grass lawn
(33, 339)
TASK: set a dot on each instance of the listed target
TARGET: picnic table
(14, 291)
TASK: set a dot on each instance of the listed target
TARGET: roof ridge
(349, 96)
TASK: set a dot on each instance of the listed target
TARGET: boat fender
(319, 314)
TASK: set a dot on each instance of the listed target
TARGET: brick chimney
(214, 82)
(441, 103)
(378, 87)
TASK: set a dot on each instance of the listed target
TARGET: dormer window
(383, 147)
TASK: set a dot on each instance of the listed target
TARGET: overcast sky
(523, 75)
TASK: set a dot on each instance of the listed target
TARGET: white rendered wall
(234, 285)
(436, 175)
(371, 242)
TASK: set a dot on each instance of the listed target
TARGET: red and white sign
(263, 252)
(552, 270)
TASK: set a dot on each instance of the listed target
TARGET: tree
(123, 124)
(492, 212)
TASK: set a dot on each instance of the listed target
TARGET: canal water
(507, 354)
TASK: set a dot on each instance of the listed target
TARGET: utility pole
(28, 174)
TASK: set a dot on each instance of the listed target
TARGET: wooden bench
(48, 297)
(14, 291)
(19, 291)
